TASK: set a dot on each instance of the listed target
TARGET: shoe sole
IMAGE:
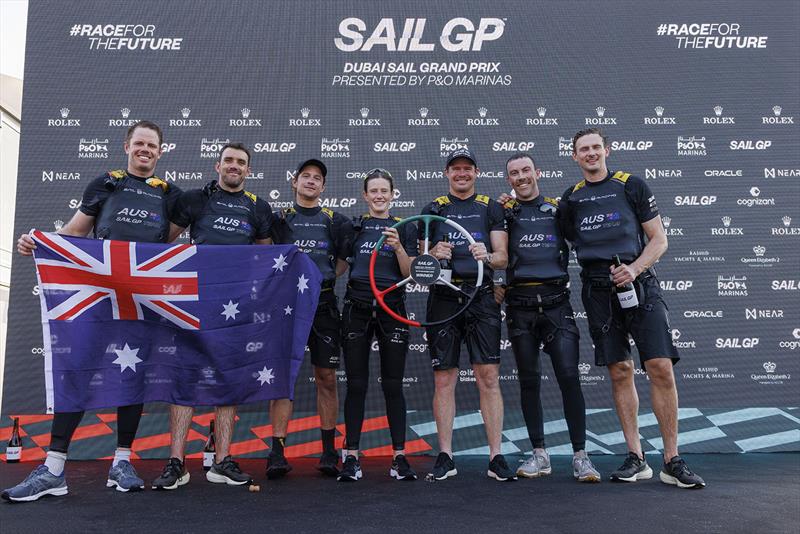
(278, 472)
(647, 474)
(453, 472)
(182, 481)
(328, 470)
(216, 478)
(590, 478)
(492, 474)
(396, 475)
(57, 492)
(540, 473)
(348, 478)
(114, 484)
(668, 479)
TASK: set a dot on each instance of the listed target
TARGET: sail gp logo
(457, 35)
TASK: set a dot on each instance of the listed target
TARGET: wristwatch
(488, 259)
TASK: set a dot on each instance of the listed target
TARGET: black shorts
(478, 326)
(325, 338)
(611, 328)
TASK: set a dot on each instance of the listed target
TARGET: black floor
(746, 493)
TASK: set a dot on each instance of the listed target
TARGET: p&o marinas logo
(246, 120)
(601, 119)
(448, 145)
(425, 119)
(211, 148)
(692, 146)
(769, 375)
(335, 148)
(64, 120)
(760, 258)
(306, 119)
(483, 119)
(124, 120)
(660, 119)
(184, 121)
(719, 117)
(541, 118)
(564, 147)
(786, 227)
(731, 286)
(777, 117)
(93, 148)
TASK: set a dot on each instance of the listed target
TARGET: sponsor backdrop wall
(700, 100)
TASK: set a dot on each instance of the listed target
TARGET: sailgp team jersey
(130, 208)
(537, 250)
(367, 231)
(605, 218)
(321, 233)
(219, 217)
(478, 214)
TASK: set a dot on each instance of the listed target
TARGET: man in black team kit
(539, 312)
(325, 236)
(479, 325)
(135, 188)
(221, 213)
(606, 215)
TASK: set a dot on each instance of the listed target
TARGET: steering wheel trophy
(425, 271)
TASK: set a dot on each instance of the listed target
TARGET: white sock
(121, 454)
(55, 462)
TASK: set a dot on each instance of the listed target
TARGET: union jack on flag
(119, 276)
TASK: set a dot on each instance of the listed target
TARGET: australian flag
(212, 325)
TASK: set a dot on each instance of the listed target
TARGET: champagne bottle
(446, 266)
(14, 447)
(210, 450)
(627, 293)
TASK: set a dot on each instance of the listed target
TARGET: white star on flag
(265, 376)
(302, 283)
(287, 310)
(230, 310)
(280, 263)
(126, 357)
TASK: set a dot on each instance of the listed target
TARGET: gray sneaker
(39, 483)
(583, 470)
(537, 465)
(124, 477)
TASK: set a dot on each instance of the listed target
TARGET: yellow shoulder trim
(579, 185)
(328, 212)
(552, 201)
(621, 176)
(482, 199)
(118, 174)
(157, 182)
(396, 219)
(442, 200)
(510, 204)
(251, 196)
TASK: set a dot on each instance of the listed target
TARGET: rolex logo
(364, 113)
(482, 112)
(755, 191)
(58, 225)
(600, 110)
(541, 111)
(770, 367)
(125, 112)
(304, 112)
(659, 110)
(584, 368)
(786, 220)
(759, 250)
(245, 112)
(726, 221)
(777, 110)
(718, 111)
(667, 221)
(423, 112)
(185, 112)
(64, 113)
(676, 334)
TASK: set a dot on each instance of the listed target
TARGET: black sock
(277, 444)
(327, 439)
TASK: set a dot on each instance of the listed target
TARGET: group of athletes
(526, 236)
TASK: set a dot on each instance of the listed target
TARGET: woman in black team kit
(363, 318)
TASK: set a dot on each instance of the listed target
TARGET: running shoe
(444, 467)
(401, 470)
(123, 477)
(535, 466)
(351, 470)
(632, 469)
(277, 466)
(583, 470)
(678, 474)
(39, 483)
(173, 475)
(328, 463)
(499, 470)
(227, 472)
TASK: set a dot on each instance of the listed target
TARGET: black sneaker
(401, 470)
(328, 463)
(444, 467)
(174, 475)
(632, 469)
(499, 470)
(227, 472)
(351, 470)
(277, 466)
(678, 474)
